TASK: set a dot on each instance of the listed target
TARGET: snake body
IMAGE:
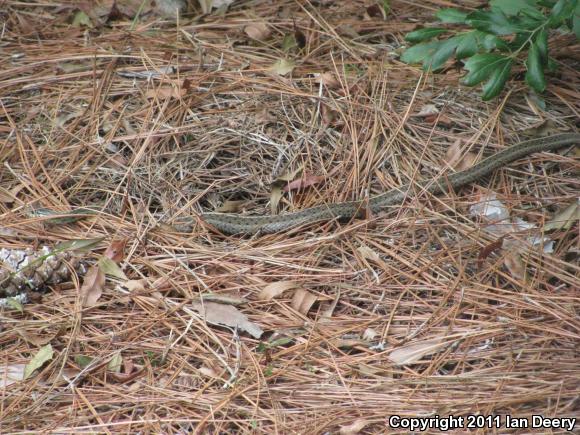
(235, 224)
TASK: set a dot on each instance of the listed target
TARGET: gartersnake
(235, 223)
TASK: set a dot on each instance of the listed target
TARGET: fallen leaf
(115, 251)
(564, 219)
(302, 301)
(275, 289)
(515, 264)
(457, 159)
(11, 374)
(224, 299)
(305, 181)
(14, 304)
(329, 116)
(355, 427)
(166, 92)
(135, 285)
(283, 67)
(36, 339)
(327, 79)
(275, 197)
(115, 363)
(427, 110)
(370, 334)
(348, 343)
(411, 353)
(83, 361)
(278, 184)
(231, 207)
(81, 19)
(227, 315)
(487, 250)
(207, 371)
(258, 31)
(289, 42)
(42, 356)
(368, 253)
(83, 245)
(327, 313)
(109, 267)
(92, 287)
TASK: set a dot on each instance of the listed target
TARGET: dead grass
(78, 129)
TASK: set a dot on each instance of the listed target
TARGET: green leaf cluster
(501, 34)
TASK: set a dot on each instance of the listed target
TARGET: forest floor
(429, 309)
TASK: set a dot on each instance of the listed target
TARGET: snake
(231, 224)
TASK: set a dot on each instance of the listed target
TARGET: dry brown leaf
(135, 285)
(275, 197)
(427, 110)
(208, 371)
(457, 159)
(305, 181)
(370, 334)
(327, 79)
(355, 427)
(37, 339)
(228, 299)
(327, 313)
(11, 374)
(412, 353)
(115, 251)
(368, 254)
(303, 301)
(564, 219)
(92, 287)
(258, 31)
(166, 92)
(275, 289)
(487, 250)
(514, 263)
(227, 315)
(230, 207)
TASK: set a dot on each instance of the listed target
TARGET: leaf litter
(172, 117)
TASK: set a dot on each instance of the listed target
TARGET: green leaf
(78, 244)
(494, 21)
(15, 304)
(497, 81)
(576, 21)
(83, 361)
(541, 42)
(289, 42)
(43, 355)
(418, 53)
(109, 267)
(115, 363)
(451, 15)
(481, 66)
(387, 6)
(467, 46)
(424, 34)
(552, 65)
(443, 53)
(513, 7)
(562, 10)
(491, 42)
(282, 67)
(535, 73)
